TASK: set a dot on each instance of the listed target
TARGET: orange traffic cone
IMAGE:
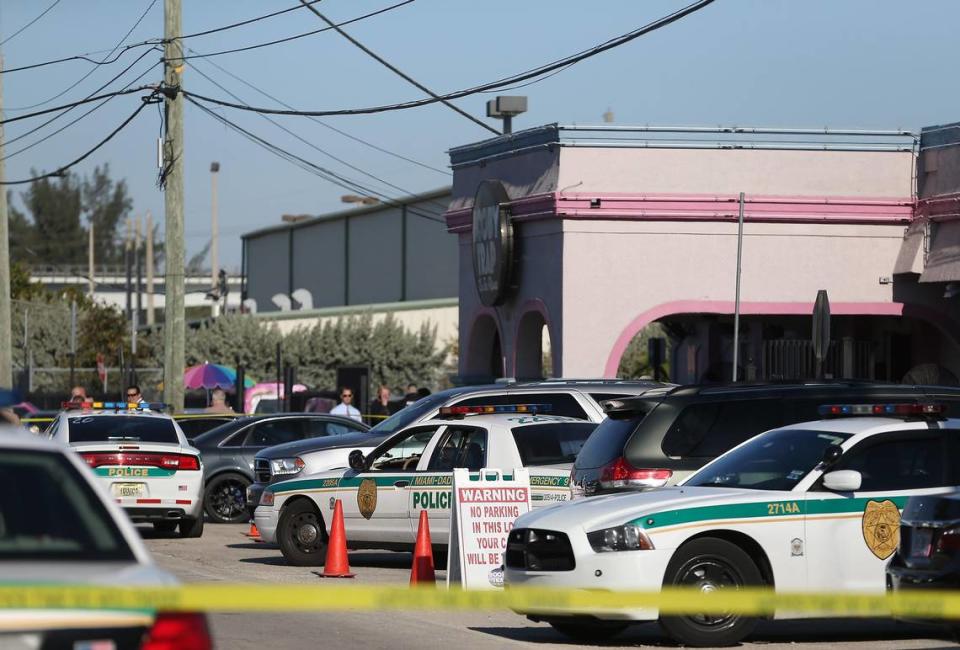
(422, 571)
(253, 532)
(336, 564)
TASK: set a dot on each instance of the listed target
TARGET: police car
(383, 492)
(142, 458)
(57, 527)
(809, 507)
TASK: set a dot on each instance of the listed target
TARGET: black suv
(656, 440)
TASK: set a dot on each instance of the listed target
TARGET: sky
(816, 63)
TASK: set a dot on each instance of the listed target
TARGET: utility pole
(150, 316)
(90, 254)
(126, 265)
(736, 305)
(138, 268)
(6, 343)
(173, 330)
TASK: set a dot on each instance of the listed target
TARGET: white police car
(142, 458)
(809, 507)
(58, 527)
(384, 492)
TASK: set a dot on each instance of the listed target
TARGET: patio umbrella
(212, 375)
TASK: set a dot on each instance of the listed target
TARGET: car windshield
(551, 443)
(410, 414)
(120, 428)
(776, 460)
(49, 513)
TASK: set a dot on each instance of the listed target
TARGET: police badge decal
(881, 527)
(367, 497)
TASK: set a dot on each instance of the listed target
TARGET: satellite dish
(250, 306)
(282, 301)
(303, 297)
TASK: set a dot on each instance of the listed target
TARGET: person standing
(380, 407)
(218, 402)
(345, 407)
(411, 395)
(134, 396)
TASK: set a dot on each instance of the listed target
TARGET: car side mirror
(356, 460)
(831, 455)
(842, 480)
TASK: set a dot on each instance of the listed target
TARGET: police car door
(430, 489)
(851, 535)
(375, 500)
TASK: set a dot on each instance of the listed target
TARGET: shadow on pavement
(770, 632)
(255, 545)
(270, 560)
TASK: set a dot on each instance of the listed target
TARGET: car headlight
(281, 466)
(619, 538)
(266, 499)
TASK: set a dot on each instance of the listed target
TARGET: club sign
(492, 242)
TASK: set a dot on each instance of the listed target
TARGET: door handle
(401, 484)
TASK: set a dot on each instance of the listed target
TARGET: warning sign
(486, 503)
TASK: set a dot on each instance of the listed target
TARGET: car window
(410, 414)
(899, 463)
(403, 453)
(607, 441)
(707, 430)
(193, 427)
(274, 432)
(49, 513)
(110, 428)
(551, 443)
(317, 428)
(562, 404)
(460, 447)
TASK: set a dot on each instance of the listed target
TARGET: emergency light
(113, 406)
(919, 408)
(497, 408)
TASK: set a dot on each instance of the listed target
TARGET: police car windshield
(121, 428)
(776, 460)
(49, 513)
(410, 414)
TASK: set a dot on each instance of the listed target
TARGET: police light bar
(113, 406)
(918, 408)
(497, 408)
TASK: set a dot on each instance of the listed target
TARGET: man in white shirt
(344, 407)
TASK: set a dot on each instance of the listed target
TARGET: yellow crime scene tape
(273, 598)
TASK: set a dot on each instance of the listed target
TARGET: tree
(106, 205)
(634, 362)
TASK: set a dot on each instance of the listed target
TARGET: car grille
(539, 550)
(261, 467)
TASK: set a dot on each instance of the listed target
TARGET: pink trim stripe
(747, 308)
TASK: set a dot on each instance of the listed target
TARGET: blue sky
(856, 63)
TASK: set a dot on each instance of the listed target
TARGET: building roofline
(351, 212)
(353, 310)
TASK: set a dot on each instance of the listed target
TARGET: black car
(195, 425)
(228, 451)
(659, 439)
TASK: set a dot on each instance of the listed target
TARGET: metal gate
(790, 359)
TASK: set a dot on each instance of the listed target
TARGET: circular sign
(492, 242)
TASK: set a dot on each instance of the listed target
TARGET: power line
(93, 98)
(325, 125)
(311, 167)
(295, 37)
(80, 57)
(91, 70)
(59, 171)
(42, 14)
(307, 142)
(244, 22)
(500, 83)
(397, 71)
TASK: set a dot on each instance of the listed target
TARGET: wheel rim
(228, 501)
(710, 574)
(305, 533)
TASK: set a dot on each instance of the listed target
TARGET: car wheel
(589, 632)
(165, 526)
(191, 527)
(710, 564)
(225, 499)
(301, 535)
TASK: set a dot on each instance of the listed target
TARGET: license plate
(128, 489)
(920, 542)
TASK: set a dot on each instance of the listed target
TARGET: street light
(506, 107)
(214, 258)
(364, 200)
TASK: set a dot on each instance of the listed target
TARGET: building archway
(484, 354)
(533, 349)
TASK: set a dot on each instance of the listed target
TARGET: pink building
(595, 233)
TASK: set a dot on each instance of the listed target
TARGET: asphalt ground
(224, 554)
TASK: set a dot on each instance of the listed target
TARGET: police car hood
(593, 513)
(351, 440)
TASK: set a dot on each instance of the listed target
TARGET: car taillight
(948, 541)
(188, 462)
(142, 459)
(178, 631)
(621, 474)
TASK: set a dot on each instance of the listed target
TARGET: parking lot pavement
(223, 554)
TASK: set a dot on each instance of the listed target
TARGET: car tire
(710, 564)
(589, 632)
(301, 534)
(165, 526)
(225, 499)
(191, 527)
